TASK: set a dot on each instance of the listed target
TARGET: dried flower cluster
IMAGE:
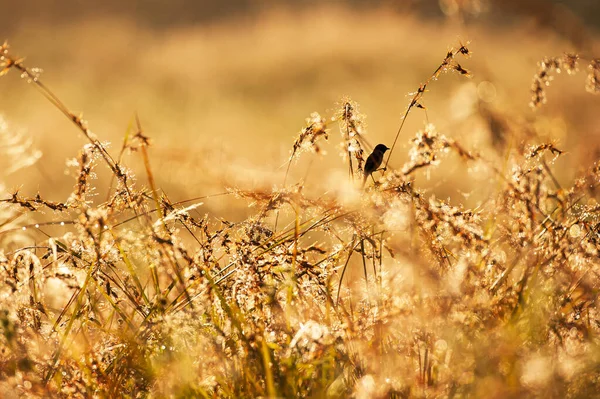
(316, 127)
(569, 63)
(138, 296)
(352, 128)
(593, 77)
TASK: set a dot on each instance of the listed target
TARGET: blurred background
(223, 87)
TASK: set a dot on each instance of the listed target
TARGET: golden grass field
(198, 233)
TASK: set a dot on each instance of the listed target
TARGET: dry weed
(139, 296)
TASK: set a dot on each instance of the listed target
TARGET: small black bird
(374, 161)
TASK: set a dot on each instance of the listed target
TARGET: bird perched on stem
(374, 161)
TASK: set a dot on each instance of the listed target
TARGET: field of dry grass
(201, 230)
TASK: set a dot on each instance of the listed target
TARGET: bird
(374, 161)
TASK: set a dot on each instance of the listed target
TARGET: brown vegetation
(390, 291)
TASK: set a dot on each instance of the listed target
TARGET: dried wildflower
(426, 148)
(14, 199)
(352, 128)
(316, 127)
(458, 68)
(30, 203)
(593, 78)
(85, 164)
(568, 62)
(544, 147)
